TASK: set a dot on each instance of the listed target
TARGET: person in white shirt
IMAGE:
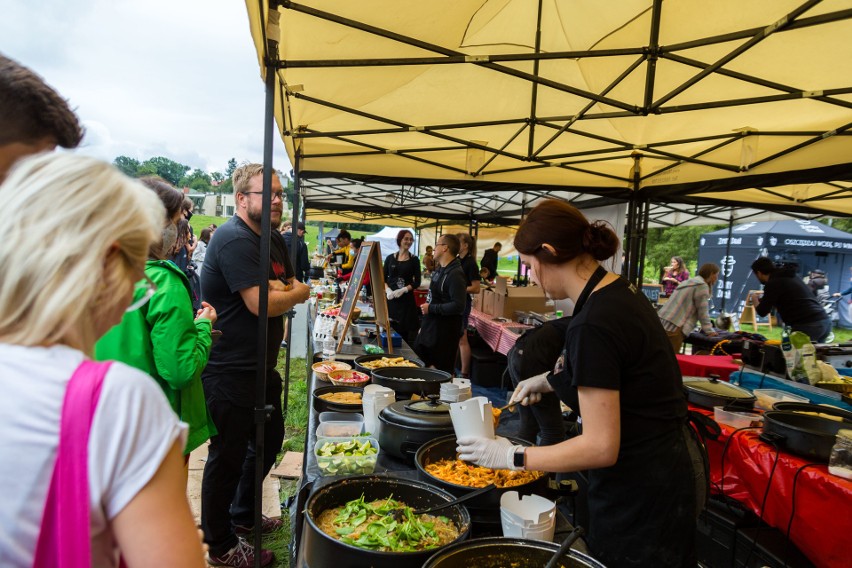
(58, 295)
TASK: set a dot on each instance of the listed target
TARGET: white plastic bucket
(532, 516)
(472, 417)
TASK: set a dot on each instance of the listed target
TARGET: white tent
(387, 239)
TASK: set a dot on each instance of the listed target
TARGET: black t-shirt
(617, 342)
(795, 302)
(232, 264)
(471, 275)
(406, 271)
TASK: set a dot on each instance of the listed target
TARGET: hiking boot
(241, 556)
(267, 525)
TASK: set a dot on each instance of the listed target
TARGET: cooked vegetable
(469, 475)
(370, 525)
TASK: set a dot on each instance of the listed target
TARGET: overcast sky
(174, 78)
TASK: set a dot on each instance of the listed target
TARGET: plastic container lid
(767, 397)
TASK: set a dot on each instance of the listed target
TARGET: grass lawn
(295, 424)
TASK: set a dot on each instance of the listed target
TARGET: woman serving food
(619, 372)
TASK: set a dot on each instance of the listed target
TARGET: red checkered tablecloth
(494, 333)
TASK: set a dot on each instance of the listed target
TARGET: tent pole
(261, 409)
(644, 239)
(633, 221)
(294, 260)
(727, 260)
(523, 214)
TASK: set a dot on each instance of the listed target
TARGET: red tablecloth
(494, 333)
(705, 365)
(822, 523)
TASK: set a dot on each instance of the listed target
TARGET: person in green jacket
(162, 337)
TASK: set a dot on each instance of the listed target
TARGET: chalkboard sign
(369, 256)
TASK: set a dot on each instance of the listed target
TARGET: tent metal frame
(479, 201)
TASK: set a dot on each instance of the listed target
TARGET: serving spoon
(399, 514)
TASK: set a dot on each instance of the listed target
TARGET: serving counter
(802, 500)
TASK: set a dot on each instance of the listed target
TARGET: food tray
(342, 464)
(736, 419)
(767, 397)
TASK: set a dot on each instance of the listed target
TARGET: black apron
(637, 507)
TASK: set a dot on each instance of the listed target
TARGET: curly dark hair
(33, 110)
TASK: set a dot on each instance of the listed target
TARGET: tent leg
(261, 409)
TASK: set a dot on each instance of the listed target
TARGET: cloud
(156, 77)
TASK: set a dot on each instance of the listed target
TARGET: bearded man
(231, 284)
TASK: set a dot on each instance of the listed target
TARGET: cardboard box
(488, 300)
(505, 300)
(477, 299)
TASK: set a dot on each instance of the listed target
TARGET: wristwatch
(520, 458)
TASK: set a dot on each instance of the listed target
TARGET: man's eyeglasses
(279, 195)
(440, 244)
(147, 286)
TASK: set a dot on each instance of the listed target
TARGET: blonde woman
(59, 294)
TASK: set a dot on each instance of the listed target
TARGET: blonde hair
(241, 177)
(74, 233)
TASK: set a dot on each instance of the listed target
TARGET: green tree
(664, 243)
(129, 166)
(198, 180)
(167, 169)
(232, 165)
(217, 177)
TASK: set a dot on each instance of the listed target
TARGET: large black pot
(801, 434)
(373, 356)
(316, 272)
(486, 507)
(428, 381)
(817, 408)
(322, 550)
(322, 405)
(406, 425)
(499, 552)
(710, 392)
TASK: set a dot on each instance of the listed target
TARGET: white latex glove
(400, 292)
(529, 390)
(390, 293)
(498, 453)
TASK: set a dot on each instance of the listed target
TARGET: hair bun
(600, 240)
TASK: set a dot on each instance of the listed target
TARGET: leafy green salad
(373, 526)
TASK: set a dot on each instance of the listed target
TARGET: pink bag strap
(64, 540)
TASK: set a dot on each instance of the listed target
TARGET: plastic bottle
(787, 348)
(328, 347)
(840, 461)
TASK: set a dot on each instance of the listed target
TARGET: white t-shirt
(133, 429)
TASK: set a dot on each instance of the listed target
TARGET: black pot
(322, 405)
(710, 392)
(373, 356)
(486, 507)
(315, 272)
(801, 434)
(323, 550)
(406, 425)
(429, 380)
(498, 552)
(808, 407)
